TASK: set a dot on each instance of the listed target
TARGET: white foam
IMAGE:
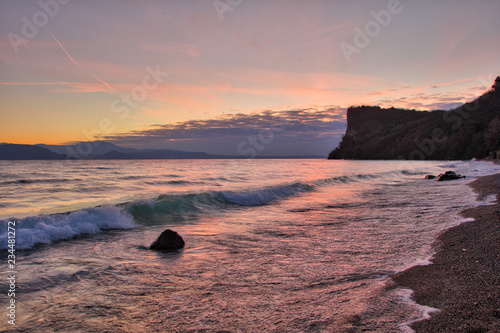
(45, 229)
(425, 311)
(456, 219)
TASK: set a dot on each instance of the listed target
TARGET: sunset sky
(204, 75)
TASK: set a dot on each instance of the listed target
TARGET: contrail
(62, 47)
(105, 83)
(74, 61)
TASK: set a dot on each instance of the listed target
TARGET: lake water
(271, 245)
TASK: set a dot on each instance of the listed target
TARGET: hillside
(101, 150)
(81, 149)
(98, 150)
(27, 152)
(469, 131)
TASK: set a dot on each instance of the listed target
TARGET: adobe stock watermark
(121, 107)
(223, 6)
(363, 37)
(256, 143)
(427, 146)
(31, 27)
(248, 148)
(11, 271)
(464, 112)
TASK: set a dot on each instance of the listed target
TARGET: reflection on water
(317, 261)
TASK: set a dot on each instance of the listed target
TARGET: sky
(229, 76)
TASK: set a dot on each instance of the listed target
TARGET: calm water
(271, 245)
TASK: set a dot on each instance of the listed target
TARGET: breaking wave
(46, 229)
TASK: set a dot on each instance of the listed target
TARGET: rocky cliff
(469, 131)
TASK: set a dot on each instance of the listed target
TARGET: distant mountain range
(27, 152)
(469, 131)
(101, 150)
(104, 150)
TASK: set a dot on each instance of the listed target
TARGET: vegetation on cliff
(469, 131)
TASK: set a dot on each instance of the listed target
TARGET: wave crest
(46, 229)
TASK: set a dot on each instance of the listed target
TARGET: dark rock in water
(448, 175)
(169, 240)
(430, 177)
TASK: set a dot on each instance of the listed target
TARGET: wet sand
(463, 280)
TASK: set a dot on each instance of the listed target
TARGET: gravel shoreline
(463, 280)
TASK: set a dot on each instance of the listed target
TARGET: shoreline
(463, 280)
